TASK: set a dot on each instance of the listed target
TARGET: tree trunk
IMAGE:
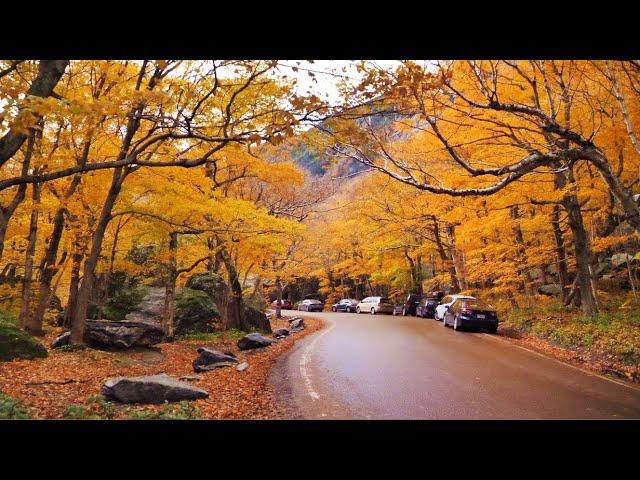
(561, 253)
(48, 268)
(446, 261)
(170, 288)
(582, 253)
(279, 300)
(234, 303)
(521, 264)
(26, 321)
(72, 302)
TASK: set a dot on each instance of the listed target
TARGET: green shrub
(12, 409)
(180, 411)
(15, 343)
(195, 312)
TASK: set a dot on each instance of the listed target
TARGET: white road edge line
(303, 364)
(593, 374)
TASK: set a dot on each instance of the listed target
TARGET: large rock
(621, 259)
(61, 340)
(210, 283)
(253, 340)
(296, 324)
(550, 289)
(209, 359)
(195, 311)
(252, 318)
(122, 335)
(150, 389)
(15, 343)
(280, 333)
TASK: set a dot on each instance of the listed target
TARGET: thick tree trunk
(582, 253)
(26, 321)
(521, 264)
(234, 303)
(561, 253)
(279, 299)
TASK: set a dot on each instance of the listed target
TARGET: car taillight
(466, 311)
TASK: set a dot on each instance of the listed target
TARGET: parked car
(345, 305)
(285, 304)
(410, 304)
(397, 309)
(471, 313)
(427, 307)
(446, 303)
(375, 305)
(310, 306)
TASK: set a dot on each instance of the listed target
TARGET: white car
(446, 303)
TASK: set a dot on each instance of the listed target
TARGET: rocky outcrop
(209, 359)
(122, 335)
(150, 389)
(254, 340)
(61, 340)
(551, 289)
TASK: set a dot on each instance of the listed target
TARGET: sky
(327, 74)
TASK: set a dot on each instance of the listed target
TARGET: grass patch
(180, 411)
(231, 334)
(96, 407)
(8, 318)
(12, 409)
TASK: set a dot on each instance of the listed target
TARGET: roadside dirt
(47, 386)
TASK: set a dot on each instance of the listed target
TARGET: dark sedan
(427, 307)
(345, 305)
(311, 306)
(410, 304)
(471, 313)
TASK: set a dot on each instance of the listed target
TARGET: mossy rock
(14, 343)
(195, 311)
(252, 319)
(210, 283)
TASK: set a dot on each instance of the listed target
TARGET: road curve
(385, 367)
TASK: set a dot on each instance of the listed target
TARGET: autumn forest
(124, 181)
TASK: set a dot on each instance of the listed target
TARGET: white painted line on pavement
(303, 364)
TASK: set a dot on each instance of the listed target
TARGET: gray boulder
(242, 367)
(150, 389)
(550, 289)
(253, 340)
(296, 324)
(280, 333)
(123, 335)
(61, 340)
(209, 359)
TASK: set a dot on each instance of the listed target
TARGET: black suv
(426, 308)
(410, 304)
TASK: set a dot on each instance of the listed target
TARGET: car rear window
(384, 300)
(475, 304)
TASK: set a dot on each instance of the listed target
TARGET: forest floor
(608, 343)
(66, 384)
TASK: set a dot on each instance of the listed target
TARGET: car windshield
(313, 301)
(477, 305)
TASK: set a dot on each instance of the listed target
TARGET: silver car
(375, 305)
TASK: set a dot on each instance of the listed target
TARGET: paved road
(386, 367)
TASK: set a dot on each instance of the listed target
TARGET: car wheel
(444, 321)
(333, 309)
(373, 311)
(456, 326)
(357, 309)
(435, 315)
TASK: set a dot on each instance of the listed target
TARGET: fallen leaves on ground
(47, 386)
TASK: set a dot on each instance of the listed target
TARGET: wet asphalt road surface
(391, 367)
